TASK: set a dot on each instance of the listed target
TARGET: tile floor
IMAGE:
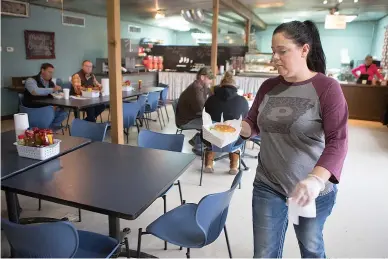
(358, 226)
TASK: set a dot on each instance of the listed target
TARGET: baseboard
(7, 117)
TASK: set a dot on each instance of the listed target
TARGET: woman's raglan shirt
(301, 125)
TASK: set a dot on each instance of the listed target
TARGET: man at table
(82, 80)
(40, 87)
(191, 103)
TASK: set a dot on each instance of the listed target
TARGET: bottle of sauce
(140, 82)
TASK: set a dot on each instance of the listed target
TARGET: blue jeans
(59, 116)
(270, 223)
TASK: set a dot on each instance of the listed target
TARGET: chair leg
(40, 204)
(126, 243)
(180, 190)
(161, 127)
(137, 126)
(168, 117)
(108, 114)
(164, 204)
(227, 242)
(139, 242)
(79, 215)
(188, 253)
(239, 168)
(161, 112)
(203, 161)
(101, 118)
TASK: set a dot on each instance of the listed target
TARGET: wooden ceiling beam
(245, 12)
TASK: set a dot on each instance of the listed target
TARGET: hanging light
(325, 2)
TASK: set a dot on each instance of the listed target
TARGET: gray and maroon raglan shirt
(301, 125)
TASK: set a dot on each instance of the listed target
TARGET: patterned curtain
(384, 58)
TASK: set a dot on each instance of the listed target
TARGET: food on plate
(127, 83)
(224, 128)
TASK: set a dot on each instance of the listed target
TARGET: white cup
(66, 93)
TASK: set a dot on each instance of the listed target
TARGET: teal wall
(378, 39)
(357, 38)
(72, 45)
(185, 38)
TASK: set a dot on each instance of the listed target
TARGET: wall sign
(14, 8)
(39, 44)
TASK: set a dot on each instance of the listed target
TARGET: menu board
(172, 55)
(39, 44)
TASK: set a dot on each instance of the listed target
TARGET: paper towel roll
(105, 86)
(21, 123)
(295, 211)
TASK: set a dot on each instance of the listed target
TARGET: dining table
(79, 103)
(12, 163)
(119, 181)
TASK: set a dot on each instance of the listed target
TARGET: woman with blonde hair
(225, 101)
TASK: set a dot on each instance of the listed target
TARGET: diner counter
(365, 102)
(178, 81)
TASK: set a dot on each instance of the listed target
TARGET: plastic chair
(194, 225)
(87, 129)
(163, 99)
(41, 117)
(58, 240)
(170, 142)
(130, 111)
(142, 100)
(152, 106)
(238, 145)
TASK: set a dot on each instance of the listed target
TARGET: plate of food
(58, 95)
(220, 133)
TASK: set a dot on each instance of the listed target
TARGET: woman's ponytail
(316, 60)
(306, 33)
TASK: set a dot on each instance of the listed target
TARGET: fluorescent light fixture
(356, 1)
(289, 19)
(269, 5)
(325, 2)
(350, 18)
(339, 1)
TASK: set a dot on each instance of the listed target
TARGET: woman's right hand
(246, 131)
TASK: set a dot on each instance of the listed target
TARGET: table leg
(76, 113)
(12, 207)
(114, 227)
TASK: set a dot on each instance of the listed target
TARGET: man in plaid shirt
(81, 81)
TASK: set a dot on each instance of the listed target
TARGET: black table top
(116, 180)
(12, 163)
(80, 104)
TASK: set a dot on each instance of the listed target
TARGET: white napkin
(295, 211)
(78, 97)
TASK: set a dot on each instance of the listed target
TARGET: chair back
(87, 129)
(47, 240)
(142, 100)
(155, 140)
(163, 94)
(67, 85)
(153, 99)
(212, 211)
(130, 111)
(39, 117)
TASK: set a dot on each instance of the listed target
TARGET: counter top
(361, 85)
(127, 74)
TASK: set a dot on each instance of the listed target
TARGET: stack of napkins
(217, 138)
(295, 211)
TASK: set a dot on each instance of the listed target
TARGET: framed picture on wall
(39, 44)
(15, 8)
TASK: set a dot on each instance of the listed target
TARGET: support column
(115, 77)
(216, 8)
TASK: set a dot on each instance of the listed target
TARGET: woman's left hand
(308, 190)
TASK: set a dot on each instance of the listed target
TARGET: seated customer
(192, 100)
(40, 87)
(82, 80)
(225, 101)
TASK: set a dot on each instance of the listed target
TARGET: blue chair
(87, 129)
(163, 99)
(41, 117)
(130, 111)
(170, 142)
(152, 106)
(237, 146)
(194, 225)
(142, 100)
(58, 240)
